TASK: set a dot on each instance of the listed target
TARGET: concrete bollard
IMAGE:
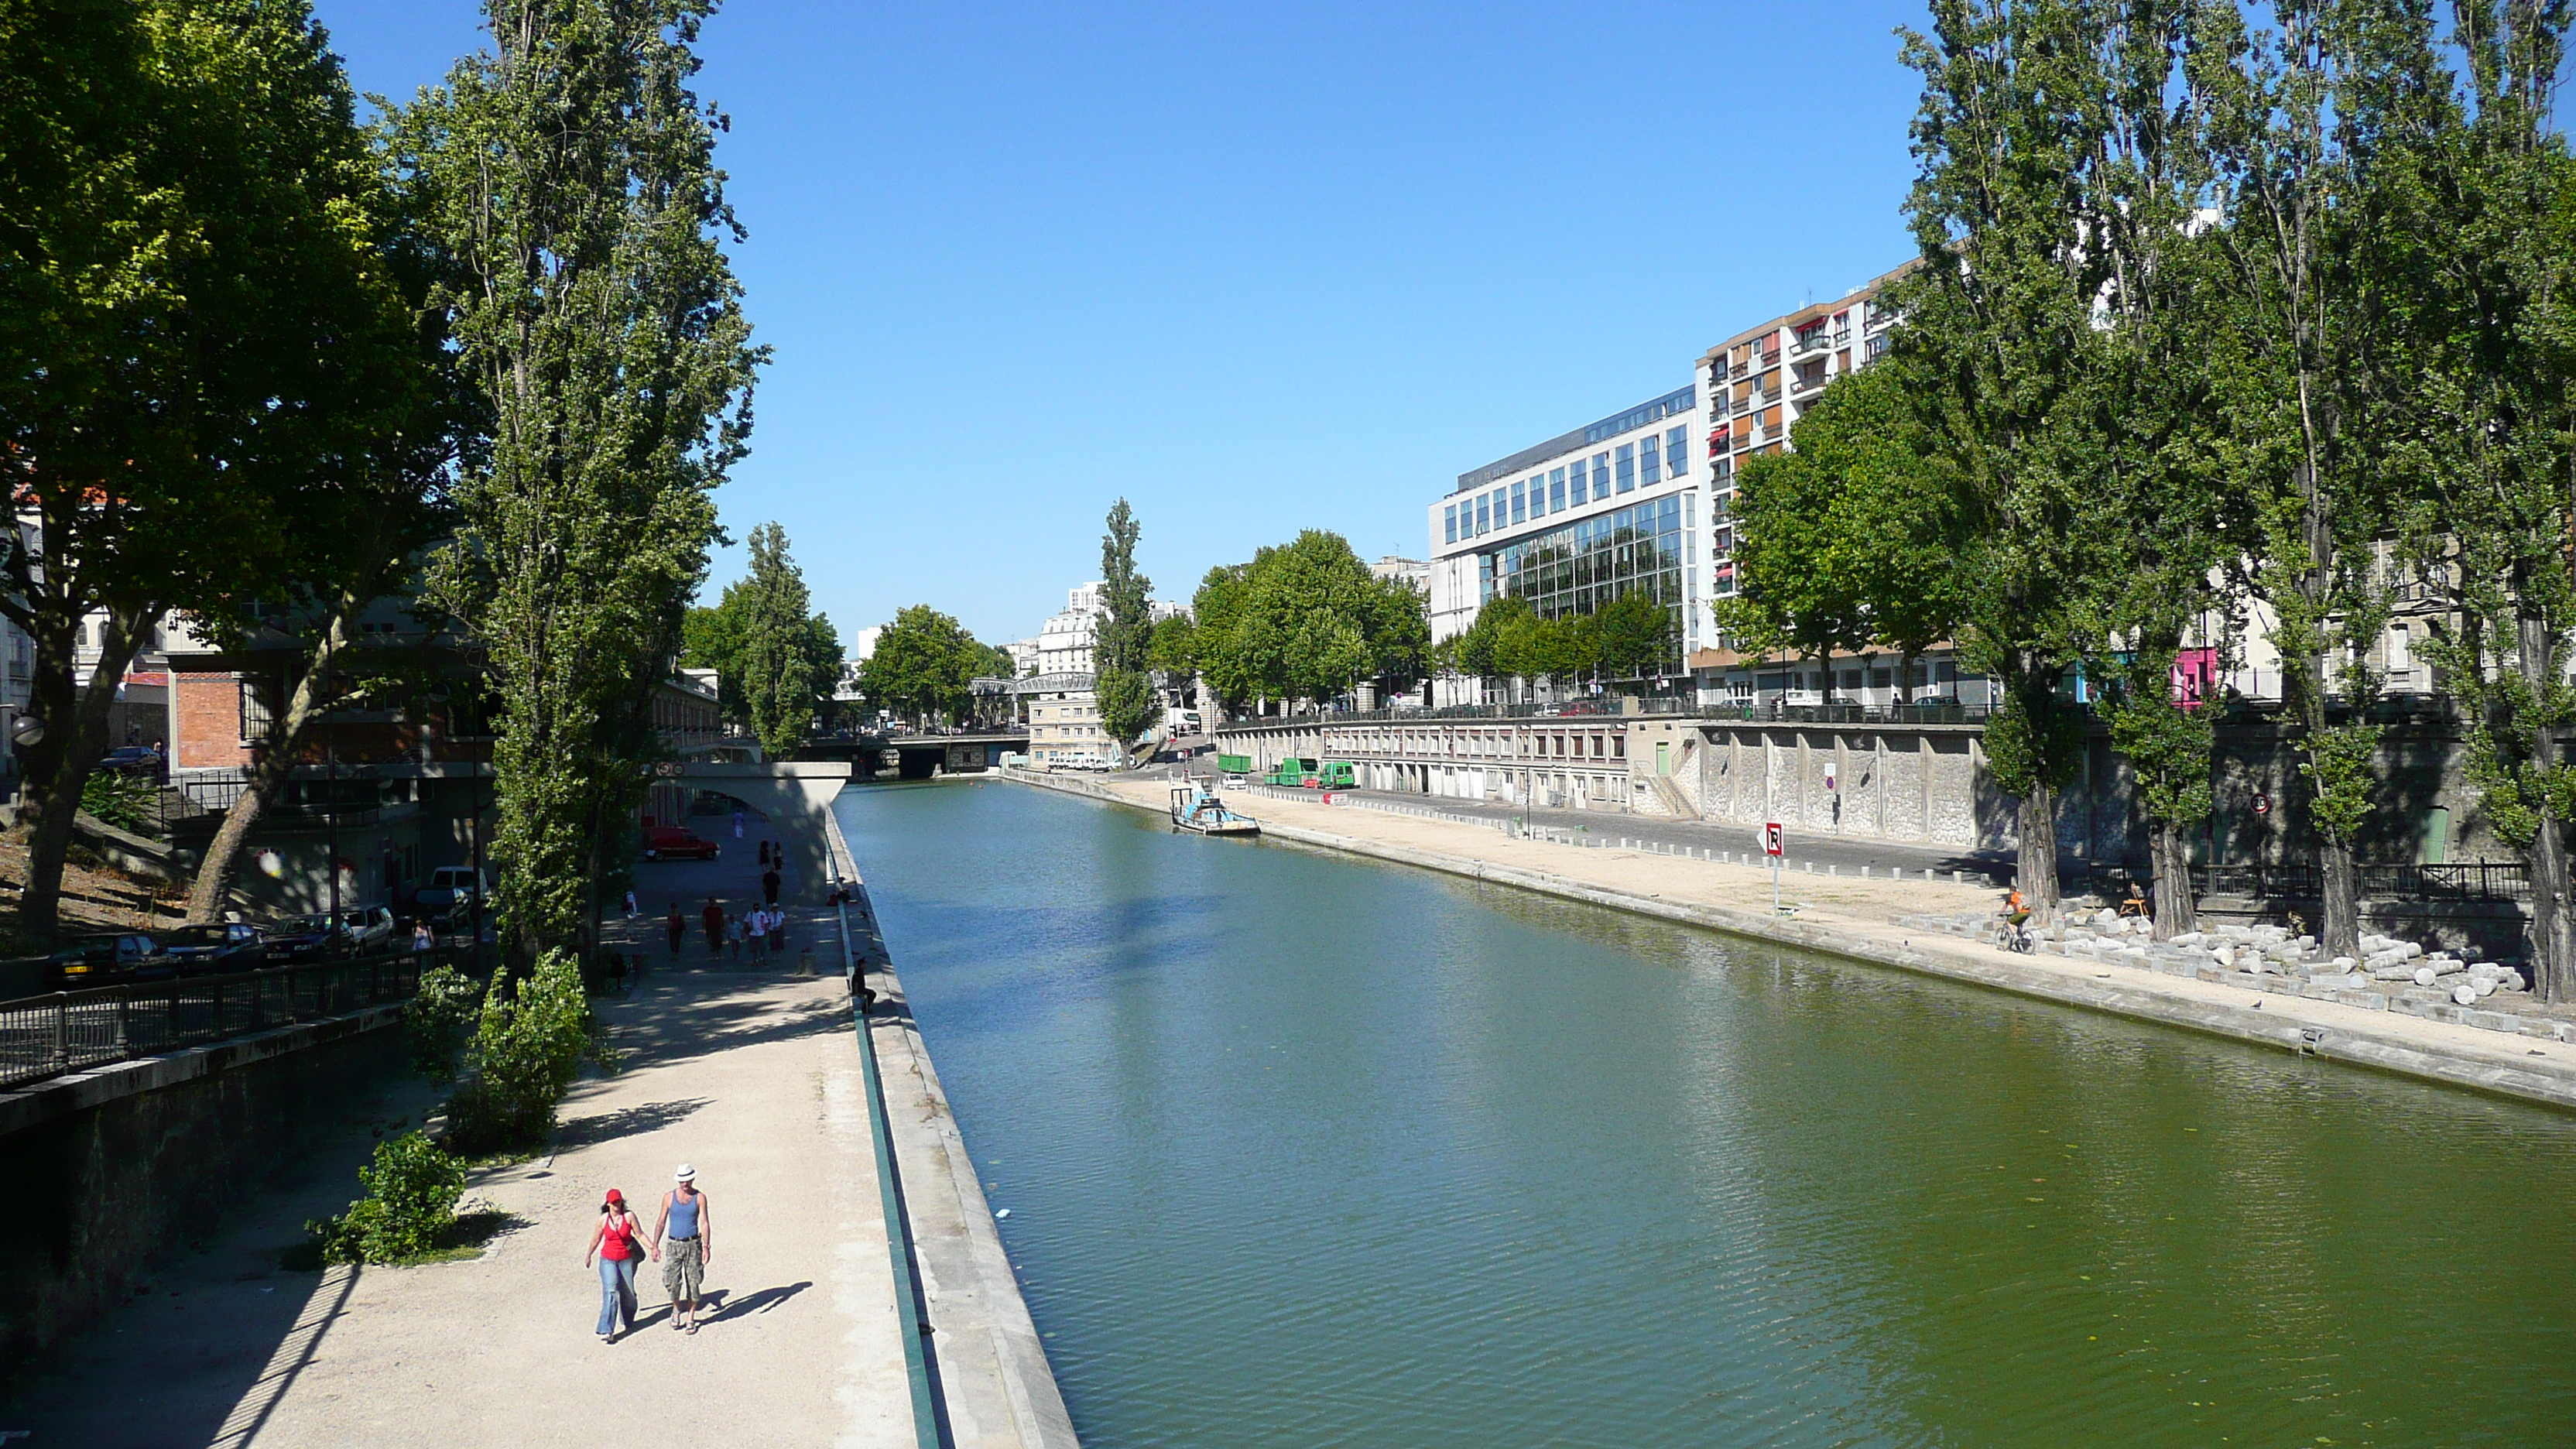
(1958, 877)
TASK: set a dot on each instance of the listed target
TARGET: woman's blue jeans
(616, 1293)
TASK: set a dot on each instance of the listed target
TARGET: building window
(1677, 452)
(1449, 524)
(1538, 495)
(257, 723)
(1580, 474)
(1556, 490)
(1650, 468)
(1600, 476)
(1627, 467)
(1484, 514)
(1520, 503)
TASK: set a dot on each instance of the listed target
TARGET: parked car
(218, 949)
(109, 960)
(313, 937)
(131, 760)
(672, 842)
(452, 890)
(369, 928)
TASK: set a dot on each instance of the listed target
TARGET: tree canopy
(776, 660)
(572, 173)
(924, 664)
(1123, 639)
(1307, 620)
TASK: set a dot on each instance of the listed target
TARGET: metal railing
(69, 1031)
(2473, 880)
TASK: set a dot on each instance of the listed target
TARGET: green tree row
(2221, 316)
(274, 365)
(1627, 638)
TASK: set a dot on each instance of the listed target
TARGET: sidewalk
(744, 1072)
(1845, 916)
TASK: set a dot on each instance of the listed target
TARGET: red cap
(615, 1196)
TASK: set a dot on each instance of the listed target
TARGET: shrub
(124, 801)
(409, 1208)
(525, 1053)
(440, 1018)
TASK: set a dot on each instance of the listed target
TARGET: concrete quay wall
(990, 1383)
(112, 1169)
(2404, 1045)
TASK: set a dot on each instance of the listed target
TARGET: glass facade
(1580, 567)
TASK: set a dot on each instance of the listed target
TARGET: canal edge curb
(986, 1366)
(2284, 1030)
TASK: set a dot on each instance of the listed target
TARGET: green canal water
(1306, 1151)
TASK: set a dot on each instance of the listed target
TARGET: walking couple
(691, 1242)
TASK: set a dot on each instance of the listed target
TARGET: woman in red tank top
(613, 1244)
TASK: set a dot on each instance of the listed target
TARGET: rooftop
(1680, 400)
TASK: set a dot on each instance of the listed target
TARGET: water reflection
(1308, 1151)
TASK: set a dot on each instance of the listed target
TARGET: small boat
(1196, 809)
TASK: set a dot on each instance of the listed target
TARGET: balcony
(1771, 358)
(1805, 383)
(1740, 369)
(1809, 342)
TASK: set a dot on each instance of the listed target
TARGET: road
(1828, 853)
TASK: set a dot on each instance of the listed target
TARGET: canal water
(1305, 1151)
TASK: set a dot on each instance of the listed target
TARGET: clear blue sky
(1257, 269)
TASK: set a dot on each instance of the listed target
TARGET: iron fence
(2473, 880)
(69, 1031)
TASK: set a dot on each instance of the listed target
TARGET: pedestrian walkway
(745, 1072)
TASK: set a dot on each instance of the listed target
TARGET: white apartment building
(1063, 644)
(1063, 716)
(1575, 522)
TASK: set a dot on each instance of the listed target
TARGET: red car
(670, 842)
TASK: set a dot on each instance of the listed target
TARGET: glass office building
(1577, 521)
(1584, 565)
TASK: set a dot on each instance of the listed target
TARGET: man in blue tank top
(691, 1238)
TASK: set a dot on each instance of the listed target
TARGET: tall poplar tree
(2000, 347)
(2484, 245)
(1120, 681)
(789, 656)
(574, 173)
(2309, 117)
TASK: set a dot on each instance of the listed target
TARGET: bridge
(919, 756)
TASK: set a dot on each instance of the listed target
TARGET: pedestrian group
(682, 1241)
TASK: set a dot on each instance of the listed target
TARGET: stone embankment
(1884, 922)
(2391, 975)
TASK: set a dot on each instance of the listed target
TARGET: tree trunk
(2553, 954)
(2176, 912)
(74, 746)
(2036, 869)
(268, 774)
(1905, 675)
(2339, 884)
